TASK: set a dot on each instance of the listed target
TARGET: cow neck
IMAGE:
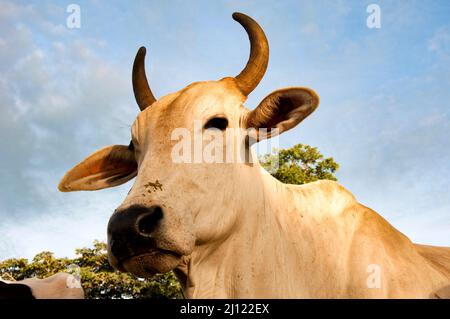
(242, 265)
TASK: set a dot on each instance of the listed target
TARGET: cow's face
(181, 199)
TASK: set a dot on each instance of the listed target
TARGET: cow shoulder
(323, 198)
(330, 201)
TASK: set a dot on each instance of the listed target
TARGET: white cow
(230, 230)
(58, 286)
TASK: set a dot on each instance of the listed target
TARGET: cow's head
(173, 207)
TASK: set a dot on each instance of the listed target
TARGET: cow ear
(281, 110)
(108, 167)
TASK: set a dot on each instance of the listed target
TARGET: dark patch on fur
(153, 187)
(15, 291)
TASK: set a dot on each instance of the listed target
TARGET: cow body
(311, 241)
(231, 230)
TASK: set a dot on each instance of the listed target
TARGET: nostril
(148, 222)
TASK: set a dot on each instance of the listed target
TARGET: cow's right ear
(108, 167)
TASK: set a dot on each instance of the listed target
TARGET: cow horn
(142, 93)
(256, 66)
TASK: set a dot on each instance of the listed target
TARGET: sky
(64, 93)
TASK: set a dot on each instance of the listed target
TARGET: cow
(58, 286)
(231, 230)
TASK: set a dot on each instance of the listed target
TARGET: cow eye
(220, 123)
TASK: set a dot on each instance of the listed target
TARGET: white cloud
(440, 42)
(54, 100)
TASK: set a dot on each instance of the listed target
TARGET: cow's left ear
(281, 110)
(108, 167)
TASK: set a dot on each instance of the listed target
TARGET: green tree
(299, 164)
(98, 278)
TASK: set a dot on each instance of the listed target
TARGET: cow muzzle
(133, 243)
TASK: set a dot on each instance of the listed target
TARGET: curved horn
(256, 66)
(142, 93)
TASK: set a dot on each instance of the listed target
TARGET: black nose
(130, 231)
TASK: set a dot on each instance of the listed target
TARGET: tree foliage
(299, 164)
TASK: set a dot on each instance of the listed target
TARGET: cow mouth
(150, 263)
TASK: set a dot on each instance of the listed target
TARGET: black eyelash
(220, 123)
(131, 146)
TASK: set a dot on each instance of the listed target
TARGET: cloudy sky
(384, 113)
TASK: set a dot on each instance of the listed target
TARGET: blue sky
(384, 113)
